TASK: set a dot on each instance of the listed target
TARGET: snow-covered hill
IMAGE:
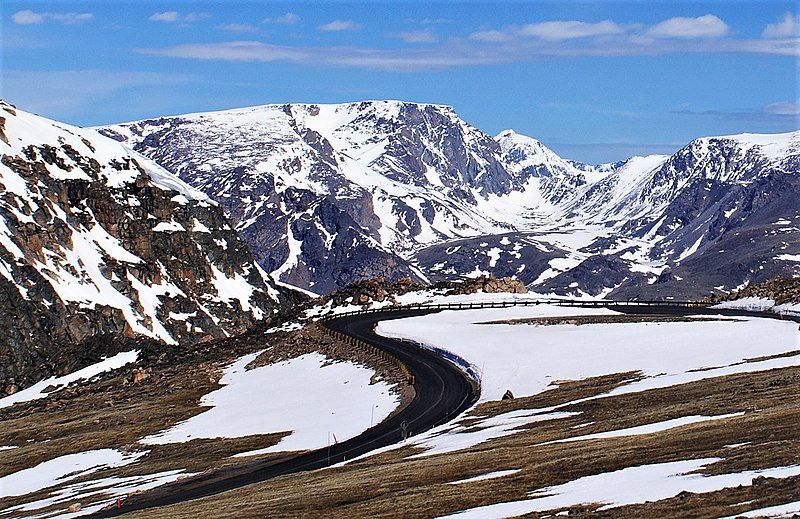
(327, 194)
(99, 241)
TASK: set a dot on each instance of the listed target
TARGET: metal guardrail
(518, 302)
(370, 349)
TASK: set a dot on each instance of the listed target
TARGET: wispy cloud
(166, 16)
(708, 26)
(567, 30)
(781, 112)
(284, 19)
(521, 43)
(339, 25)
(783, 108)
(459, 53)
(436, 21)
(787, 27)
(175, 16)
(28, 17)
(239, 28)
(426, 36)
(491, 35)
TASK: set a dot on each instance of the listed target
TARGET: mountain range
(328, 194)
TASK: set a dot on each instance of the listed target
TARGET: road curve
(442, 393)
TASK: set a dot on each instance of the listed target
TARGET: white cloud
(284, 19)
(426, 36)
(175, 16)
(70, 18)
(232, 51)
(339, 25)
(783, 108)
(194, 17)
(166, 16)
(708, 26)
(491, 35)
(471, 52)
(238, 27)
(567, 30)
(789, 26)
(28, 17)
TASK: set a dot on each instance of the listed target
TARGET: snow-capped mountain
(309, 186)
(556, 180)
(97, 240)
(719, 213)
(326, 194)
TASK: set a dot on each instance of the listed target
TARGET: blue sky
(596, 81)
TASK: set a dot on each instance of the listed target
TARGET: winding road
(442, 392)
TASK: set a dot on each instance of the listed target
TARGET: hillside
(99, 244)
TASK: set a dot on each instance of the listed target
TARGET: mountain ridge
(403, 180)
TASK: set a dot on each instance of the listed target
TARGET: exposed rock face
(518, 255)
(98, 242)
(329, 194)
(368, 291)
(486, 284)
(378, 290)
(779, 290)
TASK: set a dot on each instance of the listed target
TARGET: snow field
(527, 359)
(530, 359)
(627, 486)
(309, 397)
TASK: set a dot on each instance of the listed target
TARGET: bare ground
(391, 485)
(115, 412)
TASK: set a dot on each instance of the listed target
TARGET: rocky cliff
(99, 243)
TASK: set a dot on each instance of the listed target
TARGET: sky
(595, 81)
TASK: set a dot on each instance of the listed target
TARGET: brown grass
(115, 413)
(391, 485)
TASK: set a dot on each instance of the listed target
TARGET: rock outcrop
(780, 290)
(98, 242)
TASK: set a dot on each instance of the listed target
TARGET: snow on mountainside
(98, 241)
(306, 184)
(558, 179)
(326, 194)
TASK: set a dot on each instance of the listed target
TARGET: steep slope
(98, 242)
(556, 180)
(721, 212)
(390, 176)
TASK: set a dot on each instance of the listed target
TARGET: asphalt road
(442, 393)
